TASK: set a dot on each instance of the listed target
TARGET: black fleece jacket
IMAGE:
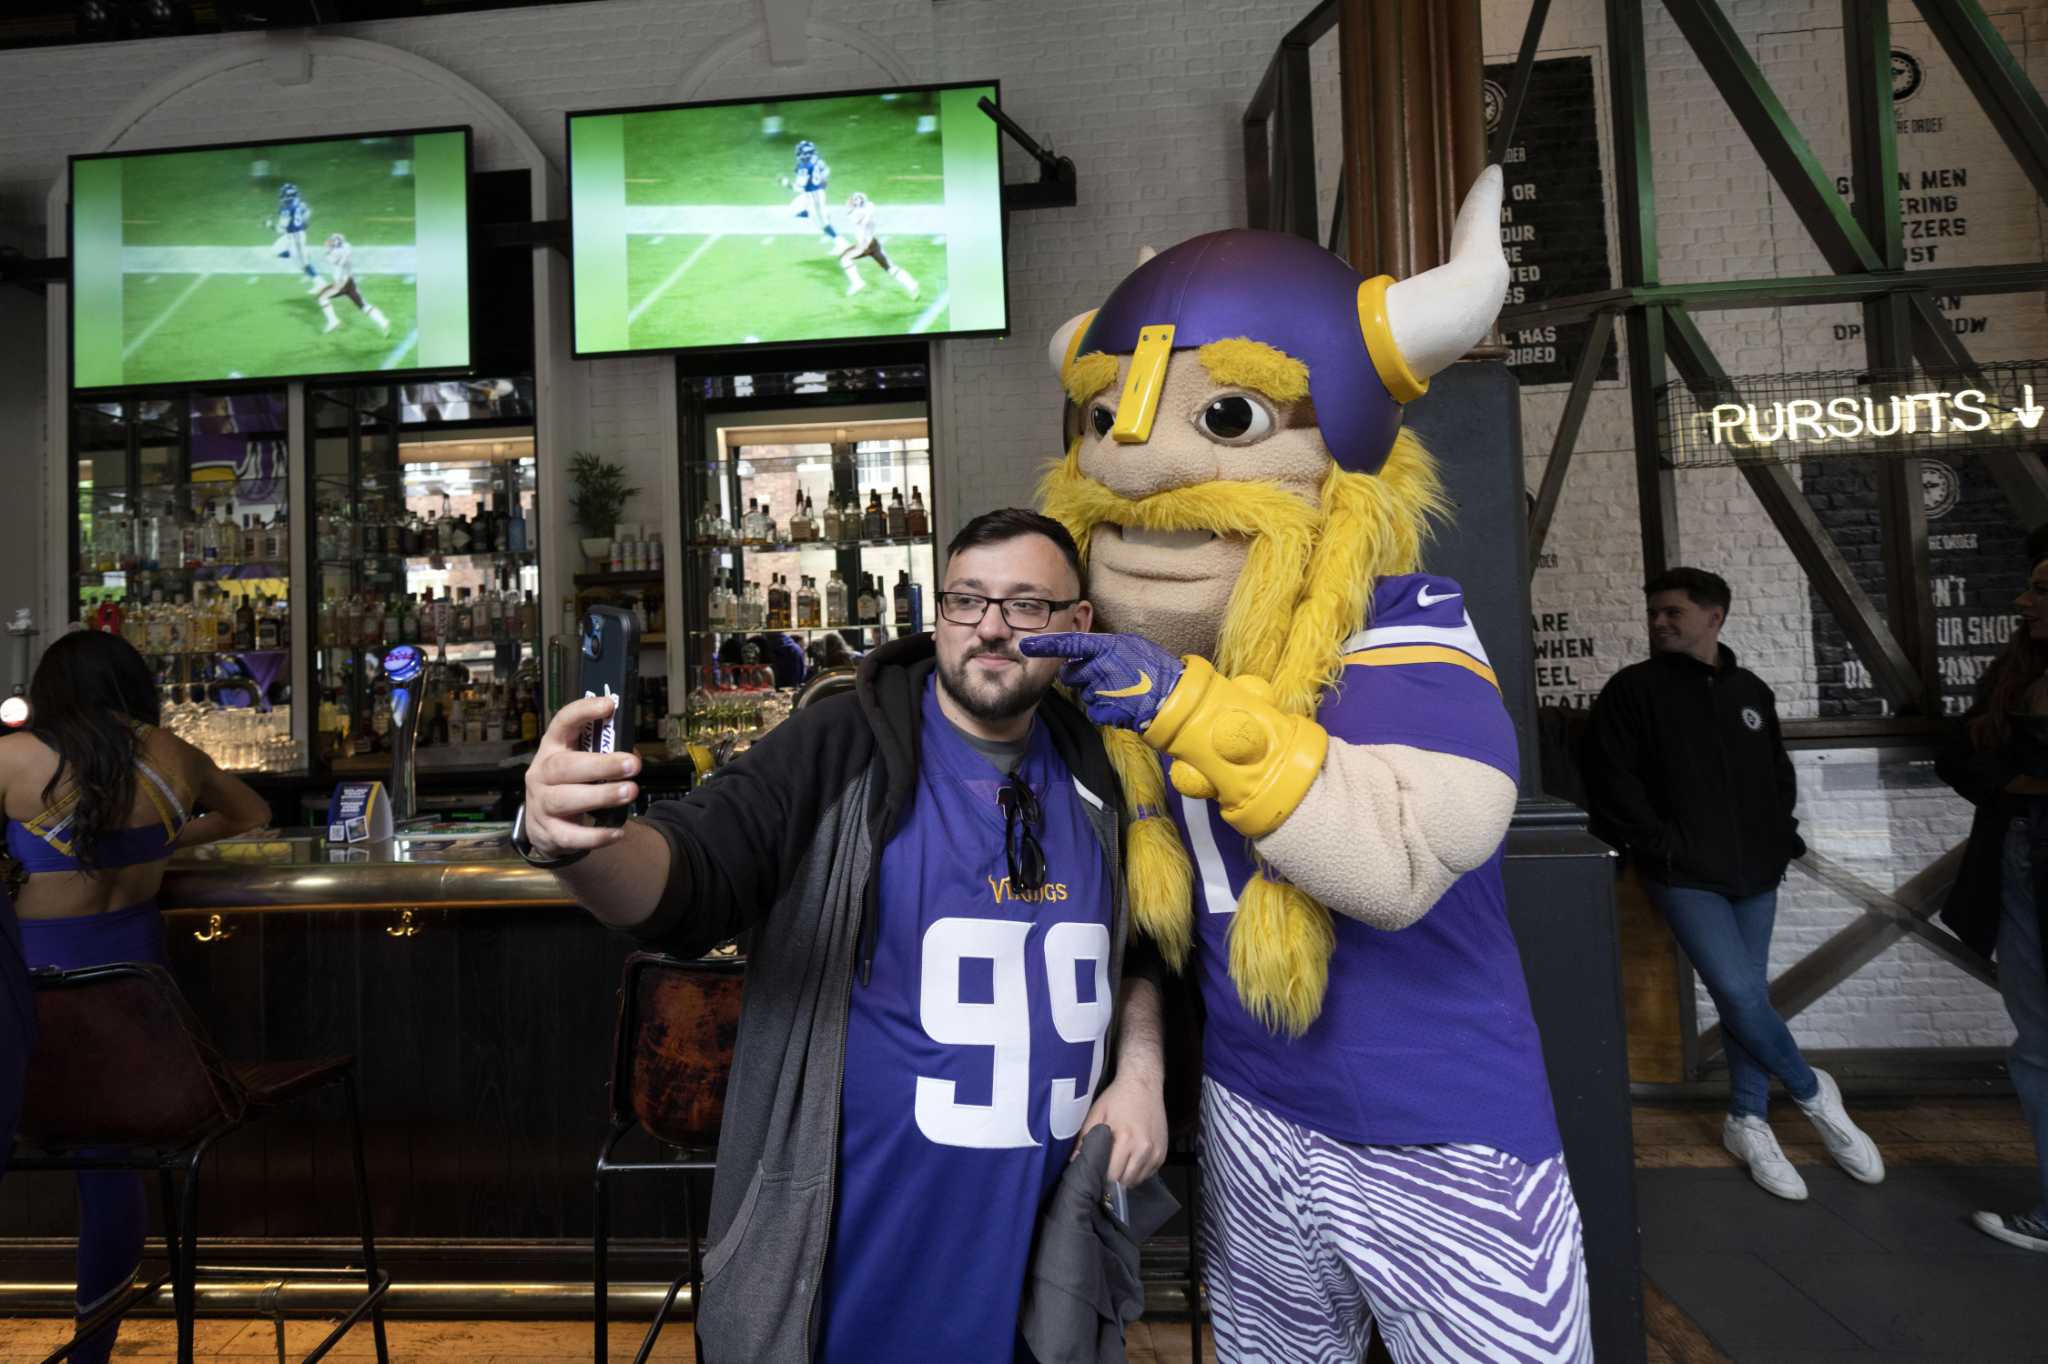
(1685, 769)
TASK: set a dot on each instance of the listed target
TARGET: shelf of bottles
(801, 557)
(182, 546)
(424, 532)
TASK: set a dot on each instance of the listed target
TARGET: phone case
(610, 648)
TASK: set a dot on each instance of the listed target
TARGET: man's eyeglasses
(1019, 613)
(1020, 844)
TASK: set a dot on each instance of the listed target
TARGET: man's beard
(991, 701)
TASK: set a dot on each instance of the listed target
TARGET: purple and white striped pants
(1460, 1253)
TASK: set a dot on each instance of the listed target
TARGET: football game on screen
(342, 256)
(804, 219)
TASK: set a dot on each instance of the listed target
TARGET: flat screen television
(328, 257)
(837, 217)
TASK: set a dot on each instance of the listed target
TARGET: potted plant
(598, 496)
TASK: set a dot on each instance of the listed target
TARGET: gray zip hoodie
(782, 847)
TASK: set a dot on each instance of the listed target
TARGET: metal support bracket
(1057, 185)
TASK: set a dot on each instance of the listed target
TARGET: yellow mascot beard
(1306, 583)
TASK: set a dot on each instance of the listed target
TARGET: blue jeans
(1729, 942)
(2023, 980)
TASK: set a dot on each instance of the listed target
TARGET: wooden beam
(1801, 178)
(1991, 73)
(1567, 438)
(1885, 919)
(1786, 505)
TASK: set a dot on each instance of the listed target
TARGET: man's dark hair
(1008, 523)
(1705, 589)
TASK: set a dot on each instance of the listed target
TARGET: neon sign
(1825, 415)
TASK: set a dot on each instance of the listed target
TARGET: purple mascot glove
(1121, 679)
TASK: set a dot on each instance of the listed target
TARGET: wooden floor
(452, 1342)
(1913, 1133)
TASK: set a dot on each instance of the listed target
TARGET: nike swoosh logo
(1422, 597)
(1137, 688)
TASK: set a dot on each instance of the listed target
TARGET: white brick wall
(1148, 100)
(1720, 216)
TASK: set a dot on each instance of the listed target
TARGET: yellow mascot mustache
(1305, 586)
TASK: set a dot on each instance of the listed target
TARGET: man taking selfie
(930, 874)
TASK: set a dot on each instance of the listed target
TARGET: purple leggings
(113, 1210)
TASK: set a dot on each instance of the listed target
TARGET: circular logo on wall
(1752, 718)
(1940, 489)
(1906, 76)
(1496, 100)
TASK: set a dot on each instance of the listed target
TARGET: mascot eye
(1101, 418)
(1235, 419)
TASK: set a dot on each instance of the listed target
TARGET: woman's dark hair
(84, 701)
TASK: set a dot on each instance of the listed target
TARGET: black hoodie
(785, 845)
(1684, 767)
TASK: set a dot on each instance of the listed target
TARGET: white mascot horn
(1056, 349)
(1440, 314)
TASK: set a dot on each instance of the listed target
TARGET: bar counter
(455, 866)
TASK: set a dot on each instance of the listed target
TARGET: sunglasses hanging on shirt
(1020, 843)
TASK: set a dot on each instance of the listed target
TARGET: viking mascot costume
(1321, 772)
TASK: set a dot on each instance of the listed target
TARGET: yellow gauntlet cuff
(1231, 744)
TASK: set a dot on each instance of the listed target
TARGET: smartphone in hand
(609, 646)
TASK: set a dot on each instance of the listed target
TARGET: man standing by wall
(1685, 769)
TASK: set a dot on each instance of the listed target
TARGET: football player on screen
(808, 178)
(341, 265)
(290, 220)
(861, 241)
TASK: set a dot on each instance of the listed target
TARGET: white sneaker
(1851, 1147)
(1751, 1141)
(2024, 1230)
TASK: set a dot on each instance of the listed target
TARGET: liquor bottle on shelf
(874, 523)
(192, 543)
(209, 539)
(390, 623)
(714, 605)
(223, 622)
(245, 622)
(750, 529)
(444, 619)
(228, 536)
(757, 606)
(529, 616)
(266, 624)
(800, 523)
(807, 605)
(828, 525)
(484, 529)
(768, 527)
(918, 520)
(849, 519)
(902, 596)
(277, 537)
(465, 535)
(529, 717)
(864, 605)
(465, 617)
(899, 515)
(835, 599)
(515, 527)
(778, 603)
(252, 538)
(444, 527)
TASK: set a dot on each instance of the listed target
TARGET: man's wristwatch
(524, 847)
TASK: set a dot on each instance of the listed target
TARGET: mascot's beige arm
(1385, 829)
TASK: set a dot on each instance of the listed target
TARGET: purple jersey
(1425, 1034)
(972, 1055)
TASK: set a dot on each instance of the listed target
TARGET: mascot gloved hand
(1228, 741)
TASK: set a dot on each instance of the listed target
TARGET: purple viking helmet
(1370, 345)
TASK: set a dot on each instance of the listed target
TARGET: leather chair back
(120, 1060)
(673, 1047)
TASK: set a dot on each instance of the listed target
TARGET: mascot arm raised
(1385, 829)
(1377, 832)
(1229, 742)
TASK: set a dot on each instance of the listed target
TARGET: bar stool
(670, 1055)
(123, 1077)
